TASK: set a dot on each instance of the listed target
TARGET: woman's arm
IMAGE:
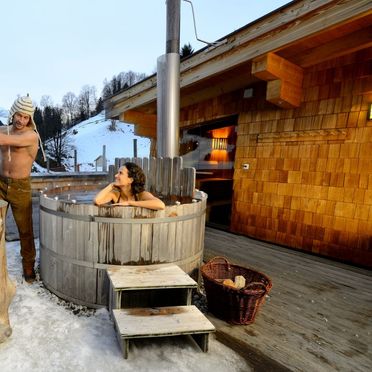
(147, 200)
(106, 195)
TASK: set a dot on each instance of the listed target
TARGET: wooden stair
(155, 301)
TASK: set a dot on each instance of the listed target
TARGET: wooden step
(159, 322)
(129, 281)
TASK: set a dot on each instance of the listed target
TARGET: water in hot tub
(87, 197)
(80, 197)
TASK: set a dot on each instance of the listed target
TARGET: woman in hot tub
(128, 189)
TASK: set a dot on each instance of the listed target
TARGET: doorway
(210, 149)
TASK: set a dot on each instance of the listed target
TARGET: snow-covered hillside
(89, 136)
(4, 115)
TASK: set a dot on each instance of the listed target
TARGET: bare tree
(69, 106)
(113, 126)
(46, 101)
(87, 100)
(59, 146)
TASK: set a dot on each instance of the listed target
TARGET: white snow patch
(48, 336)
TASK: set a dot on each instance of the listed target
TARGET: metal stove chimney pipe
(168, 86)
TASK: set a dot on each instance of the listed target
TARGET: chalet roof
(275, 47)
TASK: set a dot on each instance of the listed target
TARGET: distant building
(100, 162)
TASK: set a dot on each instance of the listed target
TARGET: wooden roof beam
(138, 117)
(144, 124)
(145, 131)
(284, 87)
(351, 43)
(271, 67)
(283, 93)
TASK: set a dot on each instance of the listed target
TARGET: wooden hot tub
(79, 241)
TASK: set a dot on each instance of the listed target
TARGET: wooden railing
(165, 177)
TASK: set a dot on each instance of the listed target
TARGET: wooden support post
(7, 287)
(125, 347)
(202, 339)
(104, 160)
(188, 296)
(134, 147)
(75, 161)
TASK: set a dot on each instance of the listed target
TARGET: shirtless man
(18, 149)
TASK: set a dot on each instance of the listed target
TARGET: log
(7, 287)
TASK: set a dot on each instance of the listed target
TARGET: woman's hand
(107, 194)
(114, 187)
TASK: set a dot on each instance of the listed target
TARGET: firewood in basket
(239, 282)
(229, 283)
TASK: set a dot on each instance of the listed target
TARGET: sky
(54, 47)
(48, 336)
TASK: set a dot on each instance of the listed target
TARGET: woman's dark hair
(139, 178)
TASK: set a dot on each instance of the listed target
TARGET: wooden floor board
(318, 314)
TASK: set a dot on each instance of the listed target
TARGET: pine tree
(99, 106)
(121, 81)
(186, 51)
(38, 119)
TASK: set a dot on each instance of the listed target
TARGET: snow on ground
(52, 335)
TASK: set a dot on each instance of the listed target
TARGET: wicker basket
(237, 306)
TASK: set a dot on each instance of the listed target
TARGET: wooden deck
(318, 316)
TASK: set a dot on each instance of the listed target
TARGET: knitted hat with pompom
(24, 106)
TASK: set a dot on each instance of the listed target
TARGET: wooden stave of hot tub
(78, 242)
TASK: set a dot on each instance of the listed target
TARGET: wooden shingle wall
(309, 184)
